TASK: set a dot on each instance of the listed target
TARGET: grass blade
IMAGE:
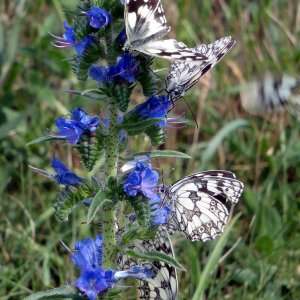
(213, 260)
(213, 145)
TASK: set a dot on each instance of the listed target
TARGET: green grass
(258, 258)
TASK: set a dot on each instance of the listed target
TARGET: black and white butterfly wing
(170, 49)
(198, 215)
(144, 20)
(217, 183)
(198, 203)
(145, 24)
(163, 285)
(271, 94)
(185, 74)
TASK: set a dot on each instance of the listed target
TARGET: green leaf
(213, 260)
(134, 128)
(160, 153)
(122, 94)
(88, 91)
(46, 138)
(63, 292)
(156, 134)
(69, 197)
(213, 145)
(91, 149)
(138, 232)
(99, 199)
(90, 95)
(155, 256)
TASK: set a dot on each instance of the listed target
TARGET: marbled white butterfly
(271, 94)
(198, 203)
(183, 75)
(145, 24)
(163, 285)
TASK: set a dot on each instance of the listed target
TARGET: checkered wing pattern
(145, 24)
(198, 202)
(185, 74)
(163, 285)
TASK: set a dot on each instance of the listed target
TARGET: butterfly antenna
(163, 79)
(194, 117)
(162, 177)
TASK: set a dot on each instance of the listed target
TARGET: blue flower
(160, 213)
(63, 174)
(125, 71)
(122, 1)
(122, 37)
(99, 74)
(94, 281)
(154, 107)
(69, 129)
(81, 45)
(127, 67)
(87, 123)
(88, 253)
(98, 17)
(93, 278)
(69, 35)
(69, 40)
(142, 179)
(80, 123)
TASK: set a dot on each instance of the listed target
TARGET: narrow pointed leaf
(155, 256)
(99, 199)
(85, 92)
(213, 260)
(160, 153)
(46, 138)
(213, 145)
(90, 95)
(63, 292)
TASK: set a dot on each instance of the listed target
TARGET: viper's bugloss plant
(141, 248)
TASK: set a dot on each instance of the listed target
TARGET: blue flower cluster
(93, 279)
(97, 18)
(143, 179)
(125, 71)
(79, 124)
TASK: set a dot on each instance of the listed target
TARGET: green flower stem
(108, 218)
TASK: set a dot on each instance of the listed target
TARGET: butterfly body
(198, 203)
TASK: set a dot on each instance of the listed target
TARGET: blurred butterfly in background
(271, 94)
(185, 74)
(145, 24)
(198, 203)
(163, 285)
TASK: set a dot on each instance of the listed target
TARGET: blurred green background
(259, 256)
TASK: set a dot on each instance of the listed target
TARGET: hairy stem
(108, 218)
